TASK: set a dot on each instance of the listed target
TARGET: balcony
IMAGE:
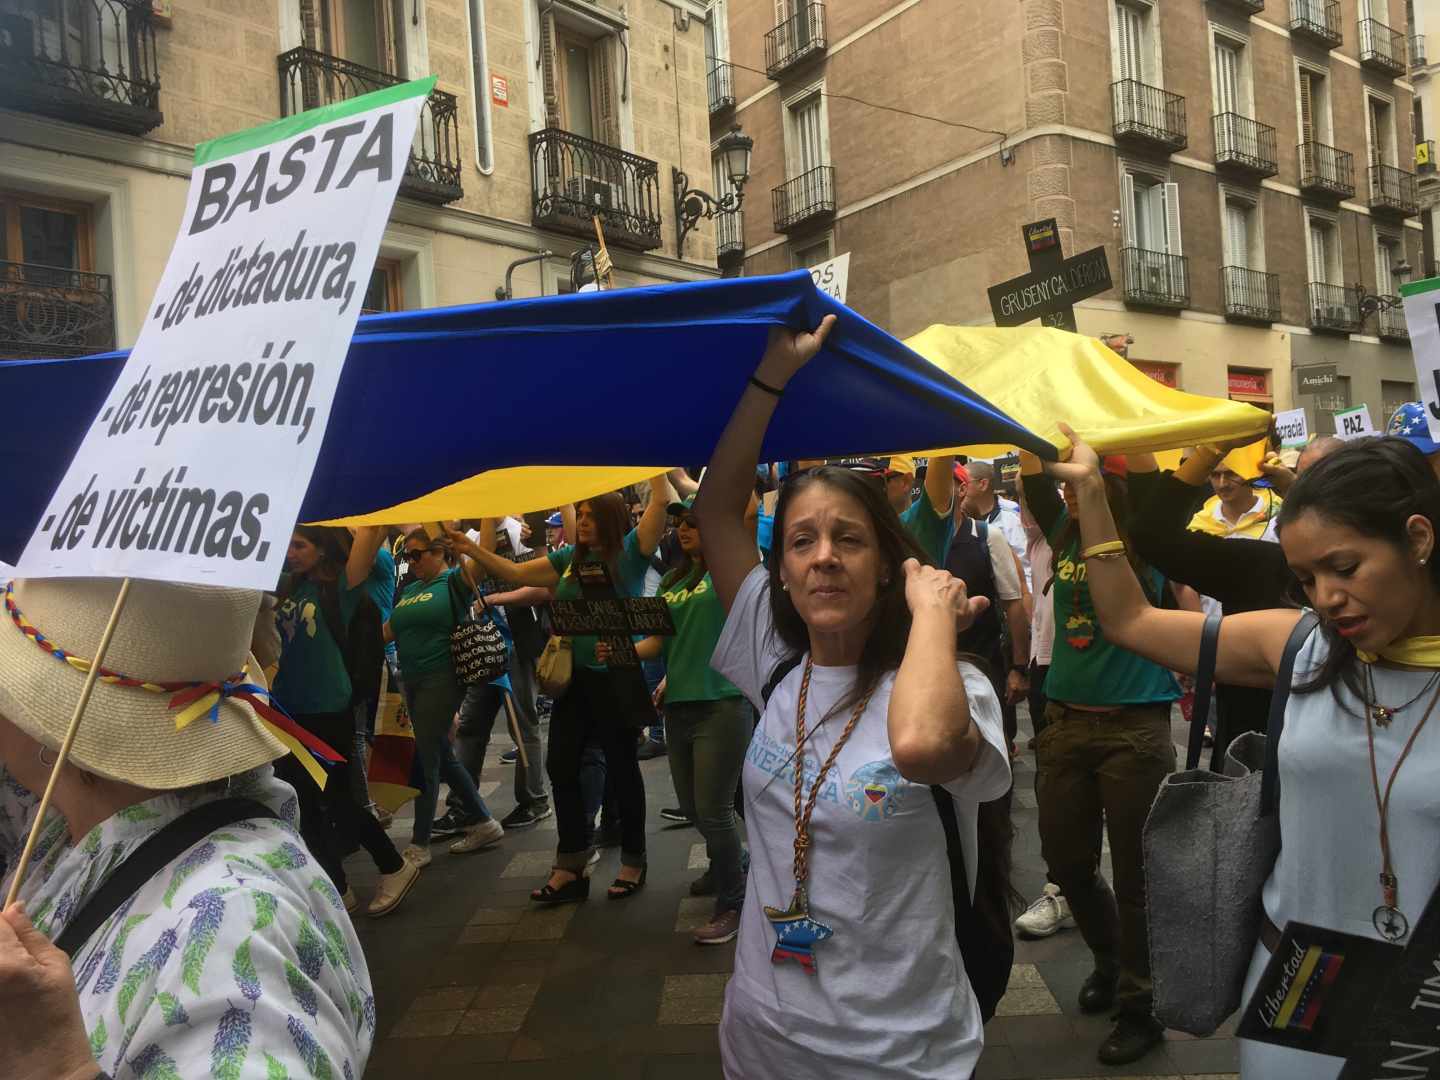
(1417, 51)
(1317, 21)
(730, 238)
(1245, 145)
(1325, 171)
(797, 39)
(1147, 114)
(1392, 191)
(1382, 49)
(808, 198)
(1333, 307)
(1390, 323)
(94, 64)
(1250, 295)
(721, 84)
(1250, 7)
(53, 311)
(1155, 278)
(574, 180)
(309, 79)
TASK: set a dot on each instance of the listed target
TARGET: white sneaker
(1046, 915)
(594, 858)
(479, 836)
(416, 856)
(393, 888)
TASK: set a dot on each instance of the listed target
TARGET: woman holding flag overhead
(192, 932)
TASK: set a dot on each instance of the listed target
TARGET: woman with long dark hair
(603, 705)
(1358, 530)
(872, 731)
(332, 578)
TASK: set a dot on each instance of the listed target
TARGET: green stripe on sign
(1415, 287)
(288, 127)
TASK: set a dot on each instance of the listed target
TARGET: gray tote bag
(1210, 842)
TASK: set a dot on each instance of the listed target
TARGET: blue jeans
(433, 699)
(707, 743)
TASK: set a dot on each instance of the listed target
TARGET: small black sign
(622, 616)
(1049, 292)
(1041, 235)
(1316, 379)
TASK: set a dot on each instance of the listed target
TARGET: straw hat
(167, 634)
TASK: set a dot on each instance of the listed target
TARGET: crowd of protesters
(850, 646)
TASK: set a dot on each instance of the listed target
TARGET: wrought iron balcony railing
(730, 237)
(53, 311)
(1250, 295)
(1317, 21)
(720, 81)
(1382, 49)
(309, 78)
(1148, 114)
(87, 61)
(1324, 170)
(574, 180)
(804, 199)
(1245, 145)
(1156, 278)
(798, 38)
(1417, 51)
(1333, 307)
(1390, 321)
(1392, 190)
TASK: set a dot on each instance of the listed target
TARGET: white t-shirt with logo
(890, 997)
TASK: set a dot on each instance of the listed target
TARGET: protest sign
(1422, 319)
(1291, 428)
(195, 466)
(833, 276)
(1354, 423)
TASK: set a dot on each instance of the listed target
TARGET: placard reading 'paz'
(195, 466)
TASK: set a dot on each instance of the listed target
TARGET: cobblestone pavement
(472, 981)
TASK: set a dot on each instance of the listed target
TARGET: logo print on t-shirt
(873, 791)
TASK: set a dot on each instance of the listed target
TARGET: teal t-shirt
(1085, 669)
(421, 624)
(698, 619)
(312, 676)
(632, 567)
(931, 531)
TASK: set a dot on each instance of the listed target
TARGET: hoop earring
(54, 757)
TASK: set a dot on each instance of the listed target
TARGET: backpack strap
(1270, 784)
(789, 664)
(156, 853)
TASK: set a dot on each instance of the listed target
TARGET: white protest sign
(1422, 320)
(833, 277)
(196, 466)
(1354, 423)
(1291, 428)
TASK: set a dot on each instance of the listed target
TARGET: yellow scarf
(1415, 651)
(1252, 523)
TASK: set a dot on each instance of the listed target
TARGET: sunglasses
(411, 554)
(690, 521)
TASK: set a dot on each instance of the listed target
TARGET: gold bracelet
(1109, 547)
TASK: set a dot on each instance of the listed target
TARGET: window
(1232, 93)
(45, 232)
(1314, 105)
(1380, 130)
(86, 36)
(1324, 251)
(1241, 235)
(383, 293)
(1133, 45)
(1393, 394)
(813, 253)
(578, 70)
(369, 32)
(1151, 213)
(807, 137)
(717, 33)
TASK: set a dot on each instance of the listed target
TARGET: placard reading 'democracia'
(195, 467)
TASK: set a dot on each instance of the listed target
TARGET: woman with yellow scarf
(1360, 753)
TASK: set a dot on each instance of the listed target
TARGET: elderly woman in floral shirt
(236, 957)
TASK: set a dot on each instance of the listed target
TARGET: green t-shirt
(698, 618)
(421, 624)
(931, 531)
(312, 676)
(1085, 669)
(632, 567)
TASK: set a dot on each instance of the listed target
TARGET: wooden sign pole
(604, 268)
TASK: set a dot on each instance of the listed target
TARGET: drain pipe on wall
(505, 292)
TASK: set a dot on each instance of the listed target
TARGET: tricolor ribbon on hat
(197, 699)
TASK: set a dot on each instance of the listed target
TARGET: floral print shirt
(237, 960)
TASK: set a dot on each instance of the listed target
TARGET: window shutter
(1227, 78)
(607, 108)
(1128, 20)
(1319, 255)
(1127, 208)
(1307, 107)
(1237, 236)
(1172, 219)
(549, 79)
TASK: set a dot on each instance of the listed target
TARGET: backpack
(361, 642)
(982, 925)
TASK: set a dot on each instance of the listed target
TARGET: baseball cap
(675, 509)
(900, 465)
(554, 521)
(1409, 424)
(962, 473)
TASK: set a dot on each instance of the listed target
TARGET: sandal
(569, 893)
(627, 888)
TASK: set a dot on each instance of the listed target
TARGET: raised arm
(940, 484)
(1041, 498)
(536, 572)
(567, 523)
(652, 522)
(683, 485)
(730, 479)
(1250, 645)
(364, 546)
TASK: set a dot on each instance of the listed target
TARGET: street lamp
(1370, 303)
(692, 204)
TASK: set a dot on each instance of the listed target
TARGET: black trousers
(603, 709)
(333, 821)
